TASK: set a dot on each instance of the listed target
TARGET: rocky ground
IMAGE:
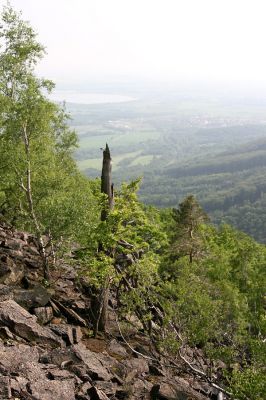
(46, 348)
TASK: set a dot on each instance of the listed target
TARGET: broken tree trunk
(101, 298)
(106, 182)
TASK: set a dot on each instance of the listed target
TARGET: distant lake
(88, 98)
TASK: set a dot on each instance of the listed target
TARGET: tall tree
(100, 302)
(37, 172)
(186, 237)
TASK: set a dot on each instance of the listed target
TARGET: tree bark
(28, 191)
(102, 297)
(106, 182)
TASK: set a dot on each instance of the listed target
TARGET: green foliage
(208, 283)
(36, 144)
(129, 246)
(218, 303)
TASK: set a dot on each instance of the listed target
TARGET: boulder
(23, 324)
(39, 296)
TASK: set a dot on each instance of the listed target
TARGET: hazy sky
(166, 39)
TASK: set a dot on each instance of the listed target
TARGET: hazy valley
(182, 143)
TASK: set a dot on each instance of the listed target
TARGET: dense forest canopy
(187, 282)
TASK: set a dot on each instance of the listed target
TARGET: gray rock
(5, 388)
(65, 331)
(43, 314)
(59, 374)
(173, 391)
(13, 358)
(18, 384)
(77, 334)
(108, 388)
(96, 394)
(136, 367)
(32, 371)
(5, 292)
(60, 357)
(70, 334)
(96, 368)
(23, 324)
(84, 389)
(47, 390)
(140, 389)
(10, 273)
(39, 296)
(115, 348)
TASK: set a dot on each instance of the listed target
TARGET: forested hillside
(189, 287)
(181, 146)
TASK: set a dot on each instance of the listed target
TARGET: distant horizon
(117, 86)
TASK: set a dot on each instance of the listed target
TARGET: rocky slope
(46, 348)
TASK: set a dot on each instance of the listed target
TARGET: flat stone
(173, 391)
(47, 390)
(62, 357)
(12, 358)
(108, 388)
(95, 367)
(115, 348)
(59, 374)
(136, 367)
(23, 324)
(32, 371)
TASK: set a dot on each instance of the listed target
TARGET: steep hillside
(46, 347)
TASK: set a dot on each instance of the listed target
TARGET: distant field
(213, 148)
(123, 135)
(96, 162)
